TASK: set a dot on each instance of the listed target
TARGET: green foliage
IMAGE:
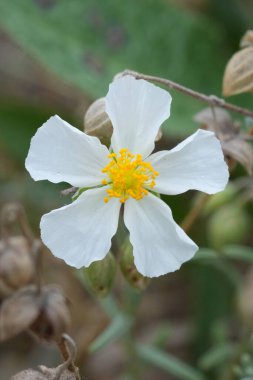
(118, 327)
(168, 363)
(87, 42)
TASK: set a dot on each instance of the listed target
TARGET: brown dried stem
(194, 213)
(14, 212)
(68, 350)
(210, 99)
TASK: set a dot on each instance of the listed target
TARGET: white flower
(81, 232)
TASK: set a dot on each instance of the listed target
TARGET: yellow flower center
(128, 176)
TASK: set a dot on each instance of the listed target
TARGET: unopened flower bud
(218, 200)
(16, 265)
(97, 122)
(129, 271)
(101, 275)
(54, 315)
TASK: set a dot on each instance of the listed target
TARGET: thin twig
(194, 213)
(194, 94)
(12, 213)
(68, 350)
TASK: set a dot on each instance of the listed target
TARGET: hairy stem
(210, 99)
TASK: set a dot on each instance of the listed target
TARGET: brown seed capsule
(238, 76)
(247, 39)
(29, 374)
(97, 122)
(45, 374)
(16, 265)
(129, 271)
(44, 312)
(54, 316)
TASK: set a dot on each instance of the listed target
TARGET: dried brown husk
(238, 76)
(18, 312)
(54, 316)
(247, 39)
(233, 142)
(45, 373)
(97, 122)
(17, 267)
(44, 311)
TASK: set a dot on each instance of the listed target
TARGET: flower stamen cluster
(128, 176)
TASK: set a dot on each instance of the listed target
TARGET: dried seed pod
(238, 76)
(18, 312)
(233, 142)
(247, 39)
(45, 373)
(97, 122)
(17, 266)
(29, 374)
(101, 275)
(65, 371)
(129, 271)
(45, 312)
(54, 316)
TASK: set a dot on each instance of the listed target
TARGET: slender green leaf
(238, 252)
(217, 355)
(168, 363)
(118, 327)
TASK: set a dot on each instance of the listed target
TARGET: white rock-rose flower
(126, 175)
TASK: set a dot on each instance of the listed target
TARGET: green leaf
(168, 363)
(118, 327)
(217, 355)
(86, 42)
(238, 252)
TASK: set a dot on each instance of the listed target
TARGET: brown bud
(97, 122)
(129, 271)
(16, 265)
(54, 315)
(45, 312)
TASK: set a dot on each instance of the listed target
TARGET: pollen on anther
(128, 176)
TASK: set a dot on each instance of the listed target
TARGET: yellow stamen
(128, 176)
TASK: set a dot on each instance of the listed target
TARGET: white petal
(159, 245)
(81, 232)
(137, 109)
(197, 163)
(62, 153)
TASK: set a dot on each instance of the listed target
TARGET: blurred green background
(56, 57)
